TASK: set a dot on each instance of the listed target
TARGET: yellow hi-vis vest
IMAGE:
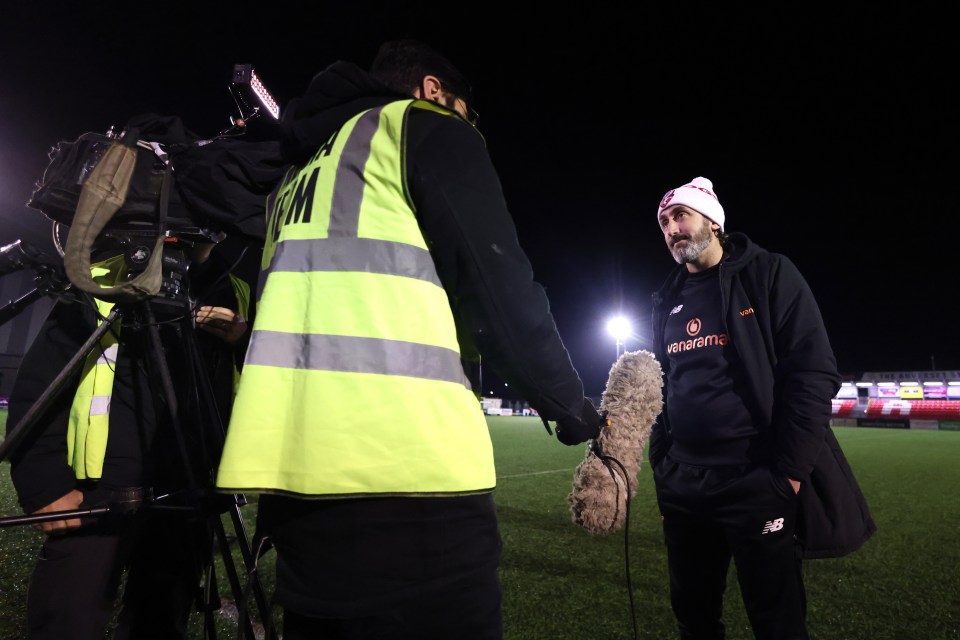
(90, 412)
(89, 421)
(352, 383)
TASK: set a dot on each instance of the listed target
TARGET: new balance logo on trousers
(772, 525)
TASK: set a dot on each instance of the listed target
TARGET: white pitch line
(534, 473)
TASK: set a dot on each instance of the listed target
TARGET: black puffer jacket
(791, 374)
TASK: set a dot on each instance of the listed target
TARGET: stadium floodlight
(864, 384)
(619, 327)
(910, 384)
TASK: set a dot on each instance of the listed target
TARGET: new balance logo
(772, 525)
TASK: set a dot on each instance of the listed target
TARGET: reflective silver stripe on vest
(100, 405)
(348, 185)
(355, 255)
(109, 355)
(352, 354)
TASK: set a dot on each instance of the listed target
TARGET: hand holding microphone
(575, 430)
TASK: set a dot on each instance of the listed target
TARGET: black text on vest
(297, 203)
(302, 198)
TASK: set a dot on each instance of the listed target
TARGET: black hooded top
(500, 310)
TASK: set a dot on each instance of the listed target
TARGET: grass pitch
(561, 582)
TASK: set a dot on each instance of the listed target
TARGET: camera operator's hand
(576, 429)
(201, 251)
(224, 323)
(68, 502)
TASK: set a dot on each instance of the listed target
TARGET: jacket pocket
(781, 484)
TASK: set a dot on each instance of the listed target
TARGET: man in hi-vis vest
(391, 264)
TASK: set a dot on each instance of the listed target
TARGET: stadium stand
(919, 409)
(843, 408)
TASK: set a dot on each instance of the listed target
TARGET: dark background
(827, 135)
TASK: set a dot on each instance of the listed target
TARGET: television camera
(121, 192)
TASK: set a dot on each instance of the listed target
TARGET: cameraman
(108, 440)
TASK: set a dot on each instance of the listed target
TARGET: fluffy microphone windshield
(633, 399)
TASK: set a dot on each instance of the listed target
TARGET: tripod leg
(233, 577)
(250, 563)
(209, 596)
(206, 399)
(206, 605)
(166, 381)
(161, 369)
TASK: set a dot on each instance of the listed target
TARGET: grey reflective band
(352, 354)
(355, 254)
(109, 355)
(349, 183)
(100, 405)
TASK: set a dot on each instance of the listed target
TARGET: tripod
(197, 433)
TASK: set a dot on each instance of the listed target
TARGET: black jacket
(500, 310)
(775, 325)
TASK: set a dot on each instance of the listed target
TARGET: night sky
(826, 136)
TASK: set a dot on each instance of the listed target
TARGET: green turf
(563, 583)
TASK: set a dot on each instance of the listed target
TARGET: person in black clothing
(421, 566)
(745, 463)
(80, 567)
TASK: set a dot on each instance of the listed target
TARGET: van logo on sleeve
(746, 312)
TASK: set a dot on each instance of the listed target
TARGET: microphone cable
(607, 460)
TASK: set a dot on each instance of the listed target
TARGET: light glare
(619, 328)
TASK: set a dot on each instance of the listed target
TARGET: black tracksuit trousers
(78, 575)
(749, 513)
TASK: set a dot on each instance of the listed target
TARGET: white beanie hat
(697, 194)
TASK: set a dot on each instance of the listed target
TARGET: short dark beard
(696, 244)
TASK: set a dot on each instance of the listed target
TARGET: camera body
(131, 206)
(71, 163)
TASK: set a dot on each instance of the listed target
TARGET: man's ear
(430, 89)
